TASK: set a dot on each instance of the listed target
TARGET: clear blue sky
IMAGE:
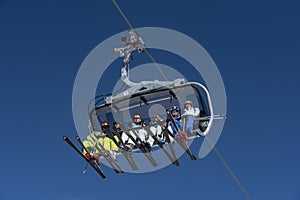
(256, 46)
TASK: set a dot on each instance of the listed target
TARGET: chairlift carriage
(146, 98)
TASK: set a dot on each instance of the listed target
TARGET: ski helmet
(175, 112)
(105, 124)
(188, 102)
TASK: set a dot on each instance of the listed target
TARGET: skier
(89, 144)
(138, 125)
(156, 127)
(107, 142)
(125, 141)
(175, 112)
(189, 116)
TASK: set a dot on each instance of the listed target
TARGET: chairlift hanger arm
(132, 43)
(135, 42)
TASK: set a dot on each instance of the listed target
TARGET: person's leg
(107, 142)
(113, 146)
(88, 145)
(189, 124)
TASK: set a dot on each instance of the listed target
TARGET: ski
(142, 146)
(127, 155)
(129, 159)
(173, 152)
(90, 161)
(107, 155)
(171, 158)
(83, 147)
(138, 143)
(166, 133)
(181, 140)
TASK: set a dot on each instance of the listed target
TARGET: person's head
(105, 125)
(157, 117)
(116, 124)
(188, 104)
(137, 119)
(175, 112)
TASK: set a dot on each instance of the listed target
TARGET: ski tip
(77, 137)
(176, 163)
(65, 137)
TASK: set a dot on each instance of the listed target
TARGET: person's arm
(196, 112)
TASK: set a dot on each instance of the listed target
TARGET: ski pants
(143, 135)
(189, 123)
(108, 143)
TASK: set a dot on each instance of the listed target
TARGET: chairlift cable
(146, 48)
(156, 64)
(164, 76)
(229, 169)
(158, 67)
